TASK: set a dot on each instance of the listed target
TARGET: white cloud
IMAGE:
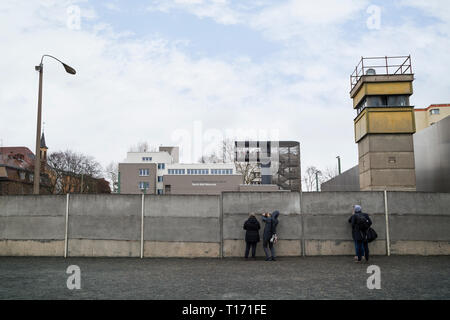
(130, 89)
(218, 10)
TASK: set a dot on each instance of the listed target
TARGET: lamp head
(69, 69)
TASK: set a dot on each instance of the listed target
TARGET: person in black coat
(353, 236)
(251, 235)
(270, 229)
(360, 232)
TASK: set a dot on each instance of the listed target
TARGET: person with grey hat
(360, 225)
(353, 233)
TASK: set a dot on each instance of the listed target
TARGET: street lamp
(37, 162)
(317, 179)
(339, 164)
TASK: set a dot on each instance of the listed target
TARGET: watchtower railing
(381, 66)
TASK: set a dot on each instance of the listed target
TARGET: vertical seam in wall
(142, 225)
(302, 229)
(221, 224)
(66, 239)
(386, 213)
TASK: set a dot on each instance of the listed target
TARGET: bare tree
(112, 175)
(329, 173)
(73, 172)
(248, 170)
(142, 146)
(309, 182)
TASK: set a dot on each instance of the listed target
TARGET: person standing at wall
(252, 227)
(361, 223)
(270, 234)
(353, 236)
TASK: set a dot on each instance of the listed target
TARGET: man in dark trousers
(353, 236)
(270, 229)
(251, 235)
(360, 224)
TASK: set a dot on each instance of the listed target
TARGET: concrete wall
(32, 225)
(326, 214)
(432, 156)
(346, 181)
(212, 226)
(182, 226)
(236, 208)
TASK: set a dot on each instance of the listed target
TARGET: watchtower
(384, 125)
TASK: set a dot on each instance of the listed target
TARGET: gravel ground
(402, 277)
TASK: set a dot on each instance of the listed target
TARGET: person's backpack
(371, 235)
(362, 222)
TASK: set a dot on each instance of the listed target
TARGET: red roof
(433, 106)
(18, 157)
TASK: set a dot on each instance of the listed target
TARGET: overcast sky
(176, 72)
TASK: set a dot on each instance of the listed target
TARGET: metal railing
(380, 66)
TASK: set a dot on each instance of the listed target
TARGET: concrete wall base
(423, 248)
(39, 248)
(103, 248)
(337, 248)
(236, 248)
(163, 249)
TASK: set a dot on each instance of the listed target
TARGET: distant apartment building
(277, 163)
(161, 173)
(428, 116)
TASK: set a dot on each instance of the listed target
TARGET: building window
(144, 185)
(160, 191)
(161, 166)
(160, 179)
(176, 171)
(434, 111)
(144, 172)
(398, 101)
(146, 158)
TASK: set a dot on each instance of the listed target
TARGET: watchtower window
(434, 111)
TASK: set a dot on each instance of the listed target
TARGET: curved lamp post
(37, 163)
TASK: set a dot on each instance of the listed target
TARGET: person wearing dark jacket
(251, 235)
(270, 229)
(360, 232)
(353, 235)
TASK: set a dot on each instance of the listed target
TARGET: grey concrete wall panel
(28, 205)
(346, 181)
(105, 217)
(337, 227)
(182, 206)
(181, 229)
(432, 154)
(413, 227)
(32, 217)
(105, 205)
(342, 202)
(289, 226)
(105, 227)
(32, 228)
(419, 203)
(246, 202)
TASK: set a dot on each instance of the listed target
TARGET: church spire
(43, 145)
